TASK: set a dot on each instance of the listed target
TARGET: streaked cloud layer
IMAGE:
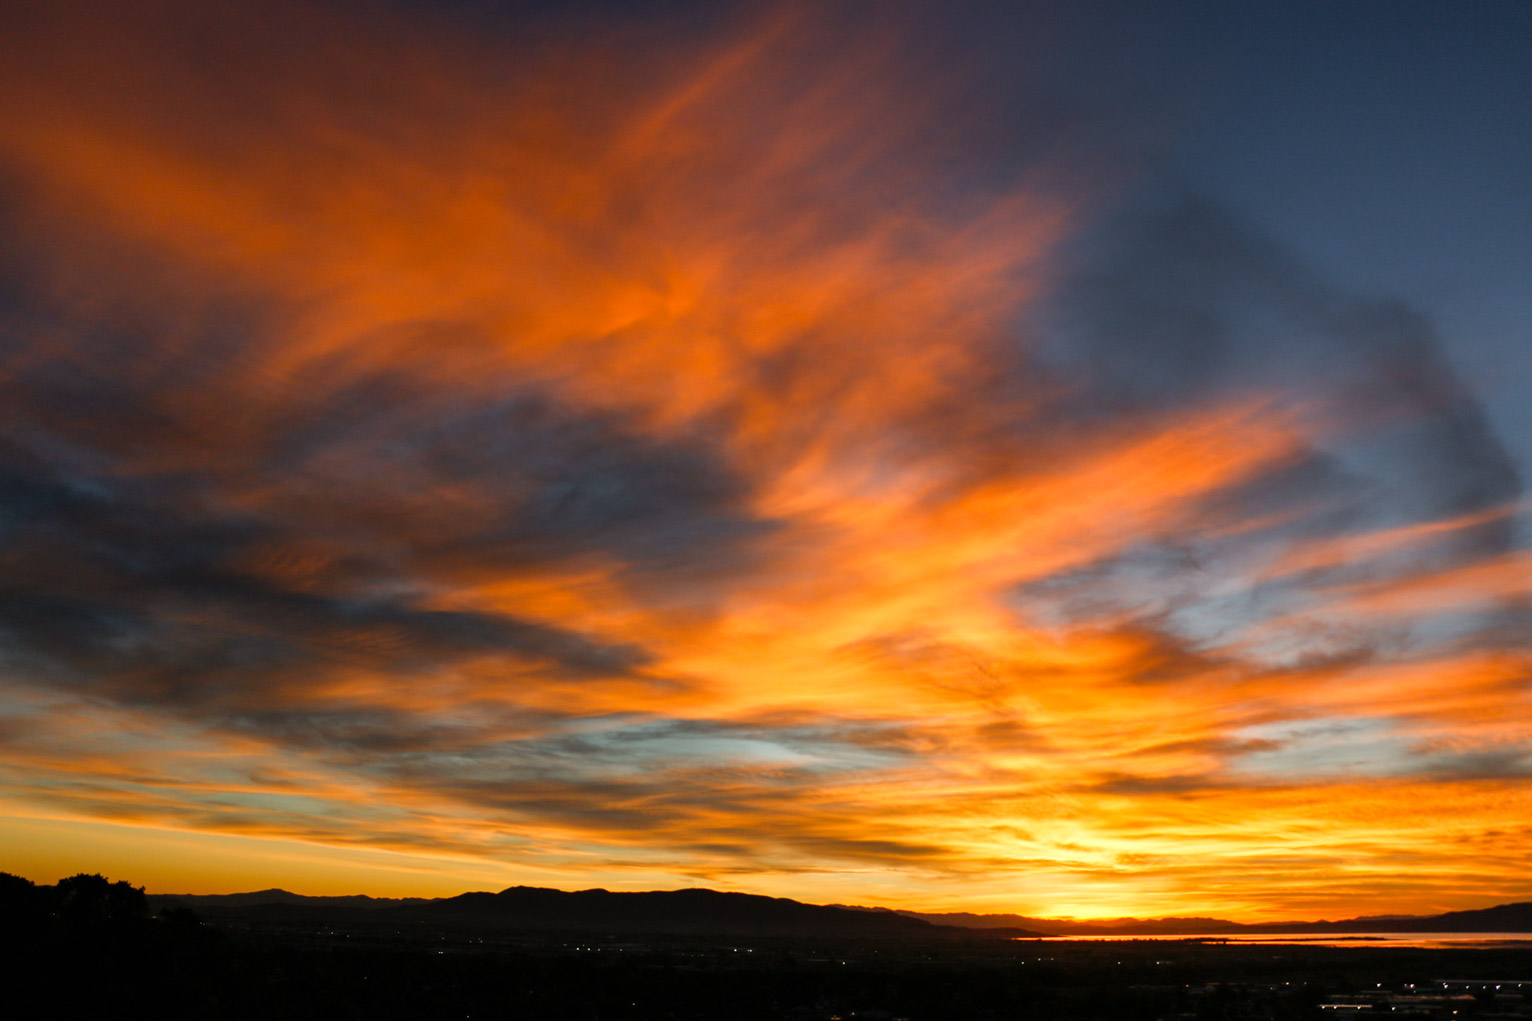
(760, 455)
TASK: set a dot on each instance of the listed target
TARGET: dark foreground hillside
(91, 948)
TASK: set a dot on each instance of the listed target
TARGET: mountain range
(700, 911)
(533, 909)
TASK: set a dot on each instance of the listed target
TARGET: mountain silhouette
(258, 898)
(702, 911)
(535, 909)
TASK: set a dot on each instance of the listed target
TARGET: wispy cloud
(641, 454)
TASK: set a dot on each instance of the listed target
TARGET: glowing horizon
(756, 456)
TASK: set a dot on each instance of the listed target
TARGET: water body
(1434, 940)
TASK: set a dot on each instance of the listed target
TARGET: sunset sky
(1054, 458)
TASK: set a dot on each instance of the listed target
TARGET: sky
(1064, 459)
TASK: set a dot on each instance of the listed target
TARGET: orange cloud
(624, 468)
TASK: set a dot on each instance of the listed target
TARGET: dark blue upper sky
(1387, 143)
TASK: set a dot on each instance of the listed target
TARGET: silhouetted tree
(17, 894)
(92, 902)
(21, 907)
